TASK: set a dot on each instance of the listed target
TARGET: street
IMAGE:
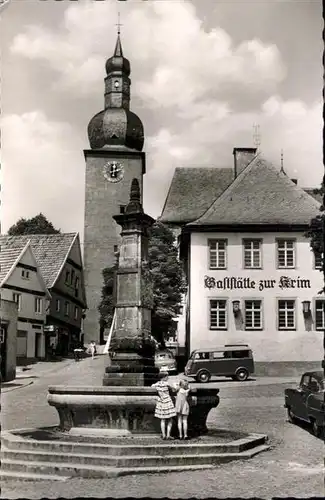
(293, 467)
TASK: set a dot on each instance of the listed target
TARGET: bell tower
(114, 159)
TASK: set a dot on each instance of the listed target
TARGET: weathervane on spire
(256, 136)
(118, 24)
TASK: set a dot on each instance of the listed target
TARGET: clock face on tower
(113, 171)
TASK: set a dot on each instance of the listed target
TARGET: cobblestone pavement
(293, 467)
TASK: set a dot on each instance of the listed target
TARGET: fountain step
(29, 476)
(16, 442)
(56, 469)
(81, 465)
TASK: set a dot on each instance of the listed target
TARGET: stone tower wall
(103, 200)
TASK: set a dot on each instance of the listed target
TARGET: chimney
(295, 181)
(242, 157)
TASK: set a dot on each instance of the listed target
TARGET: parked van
(231, 360)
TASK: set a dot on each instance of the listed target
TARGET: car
(164, 360)
(231, 360)
(306, 402)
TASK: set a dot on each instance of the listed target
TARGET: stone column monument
(132, 363)
(125, 406)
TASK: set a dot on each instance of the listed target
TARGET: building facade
(115, 157)
(256, 288)
(24, 284)
(252, 277)
(59, 262)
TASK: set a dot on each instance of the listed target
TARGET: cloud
(187, 74)
(209, 139)
(183, 62)
(42, 171)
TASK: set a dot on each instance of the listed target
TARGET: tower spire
(116, 125)
(118, 52)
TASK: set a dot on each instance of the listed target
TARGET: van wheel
(203, 376)
(242, 375)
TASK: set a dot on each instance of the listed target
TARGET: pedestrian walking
(182, 408)
(165, 409)
(92, 349)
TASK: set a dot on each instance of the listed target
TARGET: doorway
(38, 344)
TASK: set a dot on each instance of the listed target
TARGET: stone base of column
(130, 369)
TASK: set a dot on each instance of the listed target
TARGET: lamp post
(306, 307)
(236, 306)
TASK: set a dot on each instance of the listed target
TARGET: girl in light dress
(182, 408)
(165, 409)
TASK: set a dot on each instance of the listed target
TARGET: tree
(317, 228)
(36, 225)
(106, 306)
(168, 280)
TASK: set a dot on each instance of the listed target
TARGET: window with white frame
(252, 253)
(218, 314)
(16, 297)
(38, 305)
(318, 261)
(25, 274)
(253, 314)
(76, 312)
(286, 315)
(66, 308)
(57, 305)
(286, 254)
(320, 314)
(217, 254)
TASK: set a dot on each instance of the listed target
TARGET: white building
(21, 281)
(251, 273)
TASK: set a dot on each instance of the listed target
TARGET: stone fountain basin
(123, 411)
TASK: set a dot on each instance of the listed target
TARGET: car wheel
(291, 416)
(317, 429)
(203, 376)
(242, 375)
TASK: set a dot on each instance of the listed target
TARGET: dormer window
(25, 274)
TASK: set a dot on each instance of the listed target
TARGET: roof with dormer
(192, 191)
(50, 250)
(10, 255)
(261, 195)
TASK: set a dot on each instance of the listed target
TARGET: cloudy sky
(203, 72)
